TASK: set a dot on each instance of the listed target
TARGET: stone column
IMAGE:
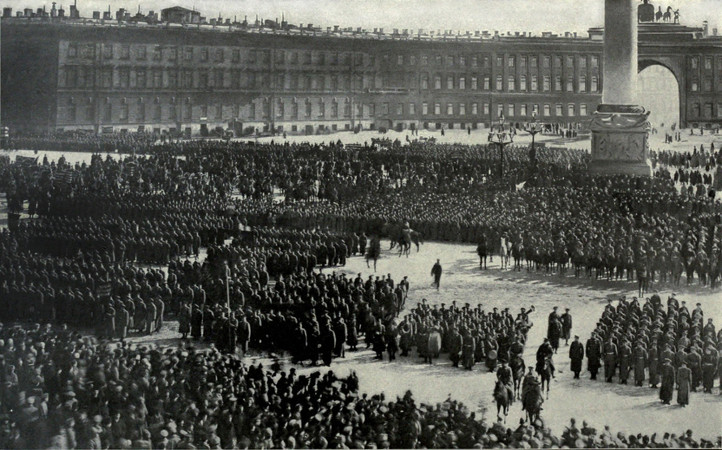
(620, 129)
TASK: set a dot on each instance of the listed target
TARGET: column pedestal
(620, 143)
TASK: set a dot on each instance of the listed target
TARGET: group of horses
(532, 397)
(595, 262)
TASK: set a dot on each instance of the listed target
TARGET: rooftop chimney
(705, 28)
(714, 31)
(7, 12)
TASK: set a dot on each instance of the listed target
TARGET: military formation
(243, 243)
(647, 344)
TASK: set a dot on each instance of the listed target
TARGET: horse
(668, 14)
(516, 252)
(531, 401)
(546, 374)
(373, 251)
(517, 369)
(502, 400)
(503, 254)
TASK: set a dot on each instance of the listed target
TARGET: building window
(571, 110)
(124, 112)
(499, 61)
(424, 108)
(188, 53)
(412, 109)
(595, 84)
(157, 111)
(437, 82)
(462, 109)
(474, 83)
(140, 52)
(558, 61)
(560, 110)
(72, 50)
(499, 83)
(582, 62)
(251, 111)
(449, 109)
(309, 108)
(474, 61)
(124, 51)
(108, 51)
(412, 60)
(462, 83)
(583, 82)
(424, 60)
(462, 61)
(400, 109)
(450, 82)
(437, 109)
(708, 63)
(141, 109)
(547, 83)
(474, 108)
(172, 54)
(570, 62)
(547, 62)
(523, 110)
(522, 83)
(511, 83)
(157, 53)
(522, 62)
(557, 83)
(204, 53)
(695, 86)
(719, 110)
(424, 81)
(511, 111)
(535, 109)
(510, 61)
(108, 113)
(570, 84)
(694, 62)
(400, 60)
(321, 109)
(486, 109)
(695, 110)
(334, 109)
(707, 85)
(449, 60)
(187, 109)
(595, 61)
(547, 110)
(487, 83)
(534, 83)
(236, 55)
(533, 62)
(583, 109)
(124, 75)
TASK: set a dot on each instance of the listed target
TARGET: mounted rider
(545, 352)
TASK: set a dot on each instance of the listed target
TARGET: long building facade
(87, 75)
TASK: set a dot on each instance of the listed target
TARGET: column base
(636, 168)
(620, 141)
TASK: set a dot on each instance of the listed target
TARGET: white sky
(463, 15)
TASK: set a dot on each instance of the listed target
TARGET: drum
(492, 355)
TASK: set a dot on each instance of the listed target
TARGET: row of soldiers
(633, 341)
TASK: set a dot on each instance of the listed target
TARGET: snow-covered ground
(625, 408)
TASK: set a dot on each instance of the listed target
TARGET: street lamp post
(533, 128)
(501, 139)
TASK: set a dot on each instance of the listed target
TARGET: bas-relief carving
(611, 146)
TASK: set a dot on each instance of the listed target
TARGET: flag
(63, 178)
(520, 186)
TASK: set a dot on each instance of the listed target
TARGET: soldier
(709, 366)
(123, 320)
(576, 354)
(566, 320)
(610, 359)
(625, 360)
(594, 356)
(455, 346)
(640, 362)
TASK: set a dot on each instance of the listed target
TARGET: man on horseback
(544, 353)
(505, 375)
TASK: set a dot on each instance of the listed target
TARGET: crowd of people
(672, 347)
(251, 236)
(62, 390)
